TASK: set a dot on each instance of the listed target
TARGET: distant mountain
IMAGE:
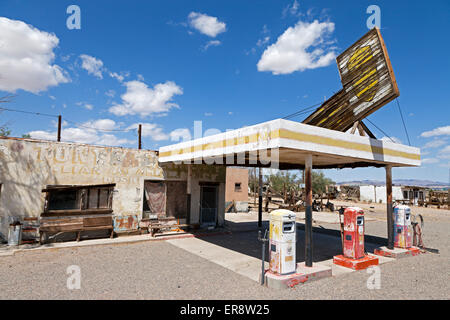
(402, 182)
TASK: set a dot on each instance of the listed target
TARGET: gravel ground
(158, 270)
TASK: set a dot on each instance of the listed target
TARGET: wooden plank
(75, 187)
(100, 221)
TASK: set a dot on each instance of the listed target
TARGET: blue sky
(204, 61)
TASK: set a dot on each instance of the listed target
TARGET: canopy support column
(260, 199)
(188, 193)
(308, 212)
(389, 216)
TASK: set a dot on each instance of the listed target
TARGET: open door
(208, 205)
(154, 199)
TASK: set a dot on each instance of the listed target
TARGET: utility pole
(59, 128)
(140, 137)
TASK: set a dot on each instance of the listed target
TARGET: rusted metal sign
(368, 84)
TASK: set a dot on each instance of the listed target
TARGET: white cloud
(441, 131)
(142, 100)
(212, 43)
(101, 124)
(87, 132)
(205, 24)
(290, 53)
(110, 93)
(85, 105)
(183, 133)
(92, 65)
(117, 76)
(434, 144)
(262, 42)
(26, 56)
(292, 9)
(151, 130)
(444, 153)
(429, 160)
(208, 114)
(392, 139)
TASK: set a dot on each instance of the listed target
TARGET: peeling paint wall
(27, 166)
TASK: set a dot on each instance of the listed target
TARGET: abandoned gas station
(286, 144)
(75, 188)
(333, 136)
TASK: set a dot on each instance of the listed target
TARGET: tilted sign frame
(368, 84)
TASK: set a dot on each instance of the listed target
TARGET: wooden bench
(61, 225)
(165, 224)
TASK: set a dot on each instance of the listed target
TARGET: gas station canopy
(287, 143)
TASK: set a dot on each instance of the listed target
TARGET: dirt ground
(160, 270)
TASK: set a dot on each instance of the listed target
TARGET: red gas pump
(354, 233)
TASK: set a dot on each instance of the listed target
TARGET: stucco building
(237, 188)
(128, 185)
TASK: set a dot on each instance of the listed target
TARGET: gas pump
(282, 242)
(402, 227)
(354, 233)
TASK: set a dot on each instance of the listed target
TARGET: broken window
(78, 199)
(64, 200)
(237, 187)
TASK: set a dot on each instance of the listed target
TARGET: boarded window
(98, 198)
(78, 199)
(93, 198)
(103, 198)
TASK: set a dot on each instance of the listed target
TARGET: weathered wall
(237, 175)
(27, 166)
(378, 193)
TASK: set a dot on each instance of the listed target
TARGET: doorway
(208, 205)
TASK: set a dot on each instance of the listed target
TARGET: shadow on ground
(326, 242)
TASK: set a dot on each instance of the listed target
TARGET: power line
(380, 129)
(29, 112)
(303, 111)
(67, 120)
(94, 128)
(404, 126)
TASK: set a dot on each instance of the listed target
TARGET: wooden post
(188, 192)
(254, 187)
(389, 211)
(59, 128)
(260, 199)
(308, 212)
(140, 137)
